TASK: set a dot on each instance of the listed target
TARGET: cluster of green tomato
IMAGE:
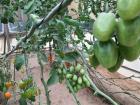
(76, 77)
(117, 38)
(28, 90)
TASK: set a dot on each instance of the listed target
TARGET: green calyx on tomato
(128, 9)
(128, 32)
(104, 26)
(106, 53)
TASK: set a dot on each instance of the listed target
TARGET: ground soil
(59, 93)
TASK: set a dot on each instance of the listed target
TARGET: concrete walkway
(135, 69)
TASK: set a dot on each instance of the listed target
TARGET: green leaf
(22, 101)
(35, 18)
(71, 22)
(29, 7)
(79, 33)
(53, 78)
(32, 98)
(60, 23)
(71, 56)
(19, 61)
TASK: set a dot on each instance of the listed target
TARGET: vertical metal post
(6, 33)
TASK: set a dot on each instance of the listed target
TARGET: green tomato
(79, 80)
(106, 53)
(84, 79)
(104, 26)
(82, 71)
(59, 71)
(83, 85)
(118, 64)
(78, 67)
(68, 76)
(22, 85)
(64, 71)
(79, 87)
(128, 32)
(75, 89)
(130, 53)
(87, 83)
(128, 9)
(73, 83)
(75, 78)
(71, 69)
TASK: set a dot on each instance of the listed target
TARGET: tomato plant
(50, 21)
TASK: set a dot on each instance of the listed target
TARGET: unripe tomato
(130, 53)
(128, 9)
(79, 87)
(79, 80)
(104, 26)
(73, 83)
(8, 84)
(78, 67)
(64, 71)
(68, 76)
(82, 71)
(118, 64)
(106, 53)
(128, 32)
(85, 79)
(75, 89)
(7, 95)
(59, 71)
(87, 83)
(22, 85)
(71, 69)
(75, 78)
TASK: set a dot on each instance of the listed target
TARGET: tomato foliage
(65, 29)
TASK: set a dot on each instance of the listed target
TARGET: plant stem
(72, 92)
(43, 82)
(46, 91)
(14, 78)
(98, 91)
(95, 88)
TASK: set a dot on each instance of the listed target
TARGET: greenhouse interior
(69, 52)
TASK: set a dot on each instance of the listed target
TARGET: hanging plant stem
(44, 83)
(93, 86)
(72, 92)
